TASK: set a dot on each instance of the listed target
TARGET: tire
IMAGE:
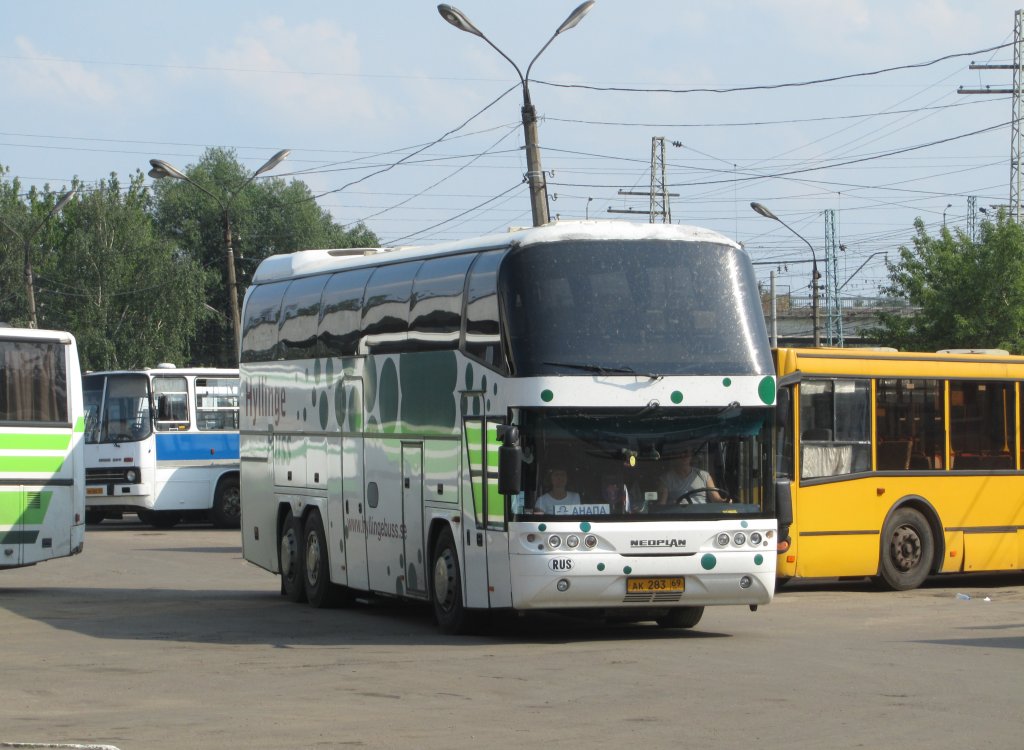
(450, 613)
(226, 512)
(907, 551)
(289, 560)
(94, 517)
(158, 519)
(316, 566)
(681, 617)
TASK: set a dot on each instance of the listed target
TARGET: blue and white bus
(162, 443)
(42, 502)
(403, 411)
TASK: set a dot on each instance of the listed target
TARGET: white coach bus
(404, 410)
(42, 483)
(162, 443)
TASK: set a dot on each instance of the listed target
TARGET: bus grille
(653, 597)
(104, 475)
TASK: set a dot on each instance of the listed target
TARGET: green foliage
(128, 296)
(267, 217)
(963, 294)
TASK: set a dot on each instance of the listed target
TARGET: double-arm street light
(163, 169)
(26, 240)
(814, 271)
(534, 173)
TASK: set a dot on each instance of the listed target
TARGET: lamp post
(26, 240)
(164, 169)
(814, 272)
(534, 173)
(948, 206)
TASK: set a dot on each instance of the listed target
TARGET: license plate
(94, 491)
(649, 585)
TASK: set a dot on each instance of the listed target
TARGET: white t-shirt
(546, 504)
(676, 485)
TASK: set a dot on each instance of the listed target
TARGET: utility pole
(972, 210)
(833, 305)
(1016, 139)
(658, 194)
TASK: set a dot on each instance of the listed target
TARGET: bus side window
(171, 403)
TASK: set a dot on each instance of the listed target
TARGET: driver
(684, 477)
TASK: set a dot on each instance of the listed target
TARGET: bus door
(353, 515)
(412, 519)
(487, 569)
(13, 536)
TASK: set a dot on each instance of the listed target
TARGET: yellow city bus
(900, 465)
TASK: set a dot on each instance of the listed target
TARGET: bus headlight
(132, 476)
(722, 540)
(554, 541)
(572, 541)
(590, 541)
(739, 539)
(755, 538)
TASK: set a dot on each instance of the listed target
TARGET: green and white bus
(42, 474)
(403, 409)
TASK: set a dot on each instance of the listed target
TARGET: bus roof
(207, 371)
(35, 334)
(310, 262)
(879, 363)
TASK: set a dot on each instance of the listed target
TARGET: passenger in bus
(558, 478)
(683, 478)
(614, 494)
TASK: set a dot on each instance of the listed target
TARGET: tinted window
(835, 427)
(171, 395)
(300, 313)
(33, 382)
(910, 427)
(483, 333)
(386, 308)
(435, 315)
(341, 313)
(259, 334)
(982, 432)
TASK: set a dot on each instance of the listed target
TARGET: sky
(399, 120)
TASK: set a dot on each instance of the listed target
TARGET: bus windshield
(117, 408)
(707, 462)
(654, 308)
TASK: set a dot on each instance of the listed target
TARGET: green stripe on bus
(35, 442)
(12, 513)
(80, 424)
(30, 464)
(18, 537)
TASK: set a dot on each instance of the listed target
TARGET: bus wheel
(158, 519)
(446, 594)
(93, 517)
(681, 617)
(226, 512)
(907, 550)
(320, 592)
(289, 560)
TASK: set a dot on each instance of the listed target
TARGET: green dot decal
(542, 527)
(600, 566)
(627, 570)
(708, 561)
(726, 382)
(766, 389)
(758, 559)
(324, 411)
(677, 397)
(744, 524)
(316, 371)
(546, 395)
(469, 377)
(585, 526)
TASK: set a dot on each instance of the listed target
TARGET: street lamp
(948, 206)
(30, 295)
(814, 272)
(164, 169)
(534, 173)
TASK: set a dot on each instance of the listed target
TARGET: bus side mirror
(783, 511)
(510, 461)
(782, 408)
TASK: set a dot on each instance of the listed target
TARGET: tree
(267, 217)
(130, 297)
(963, 294)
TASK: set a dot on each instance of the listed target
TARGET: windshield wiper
(604, 370)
